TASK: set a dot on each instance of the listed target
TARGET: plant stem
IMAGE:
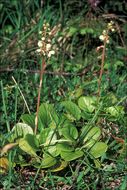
(43, 67)
(4, 108)
(21, 95)
(102, 68)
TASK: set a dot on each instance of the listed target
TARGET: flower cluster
(110, 26)
(46, 45)
(105, 33)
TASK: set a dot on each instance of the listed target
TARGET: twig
(119, 32)
(114, 16)
(84, 71)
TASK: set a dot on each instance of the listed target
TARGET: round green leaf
(47, 114)
(72, 109)
(86, 103)
(52, 150)
(98, 149)
(115, 111)
(29, 119)
(69, 132)
(47, 137)
(20, 130)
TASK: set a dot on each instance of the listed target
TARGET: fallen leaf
(119, 140)
(7, 147)
(4, 164)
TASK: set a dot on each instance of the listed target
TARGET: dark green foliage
(70, 86)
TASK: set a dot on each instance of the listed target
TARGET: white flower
(111, 22)
(43, 38)
(50, 33)
(112, 29)
(38, 50)
(49, 40)
(45, 27)
(102, 37)
(104, 32)
(40, 32)
(48, 47)
(107, 41)
(40, 44)
(47, 24)
(22, 51)
(52, 52)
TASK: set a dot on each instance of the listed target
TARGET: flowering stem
(102, 68)
(43, 67)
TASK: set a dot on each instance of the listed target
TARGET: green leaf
(97, 163)
(76, 93)
(47, 137)
(69, 156)
(29, 119)
(87, 115)
(83, 31)
(72, 31)
(44, 135)
(64, 147)
(85, 129)
(86, 31)
(48, 161)
(86, 103)
(29, 144)
(72, 109)
(69, 132)
(90, 30)
(52, 150)
(98, 149)
(20, 130)
(111, 98)
(20, 160)
(47, 114)
(123, 185)
(92, 136)
(115, 111)
(118, 63)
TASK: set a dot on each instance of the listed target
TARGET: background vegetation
(73, 72)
